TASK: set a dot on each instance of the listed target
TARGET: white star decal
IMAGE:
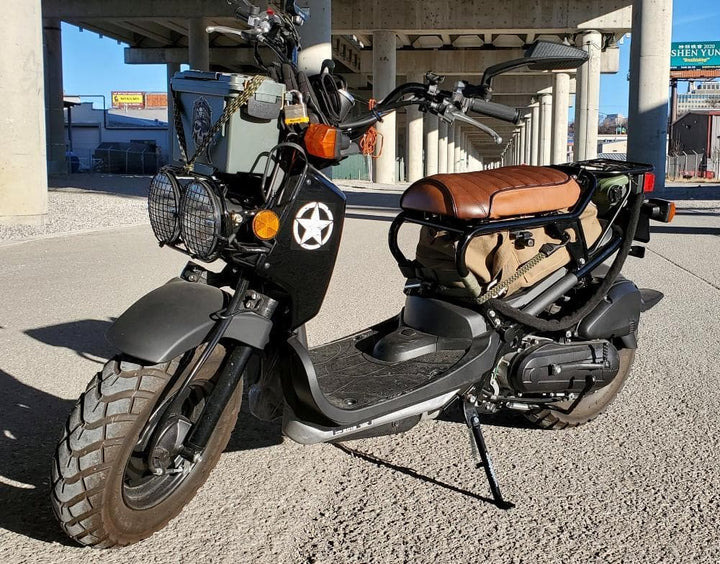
(313, 225)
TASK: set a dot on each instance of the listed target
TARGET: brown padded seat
(493, 194)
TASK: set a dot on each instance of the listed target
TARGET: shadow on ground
(124, 185)
(385, 200)
(31, 423)
(697, 192)
(86, 337)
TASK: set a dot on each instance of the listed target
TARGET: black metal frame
(586, 173)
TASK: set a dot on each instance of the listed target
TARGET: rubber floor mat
(351, 379)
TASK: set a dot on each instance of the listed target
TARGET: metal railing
(115, 161)
(692, 166)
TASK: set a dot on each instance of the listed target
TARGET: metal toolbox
(245, 140)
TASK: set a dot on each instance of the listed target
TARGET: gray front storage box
(244, 142)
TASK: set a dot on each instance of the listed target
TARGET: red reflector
(649, 182)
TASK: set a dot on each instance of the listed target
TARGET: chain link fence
(693, 165)
(116, 158)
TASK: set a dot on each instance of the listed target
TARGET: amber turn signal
(266, 225)
(323, 141)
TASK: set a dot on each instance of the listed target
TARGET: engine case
(554, 367)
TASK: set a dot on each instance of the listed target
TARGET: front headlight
(201, 219)
(163, 204)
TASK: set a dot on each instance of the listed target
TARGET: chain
(251, 86)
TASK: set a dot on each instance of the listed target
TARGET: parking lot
(640, 484)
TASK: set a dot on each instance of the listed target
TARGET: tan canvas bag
(495, 256)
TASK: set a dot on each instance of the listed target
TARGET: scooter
(248, 190)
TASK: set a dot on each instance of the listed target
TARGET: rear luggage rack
(604, 167)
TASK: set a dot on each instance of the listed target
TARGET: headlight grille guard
(215, 199)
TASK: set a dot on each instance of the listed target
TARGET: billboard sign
(128, 99)
(693, 55)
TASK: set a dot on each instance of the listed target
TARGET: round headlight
(163, 205)
(201, 219)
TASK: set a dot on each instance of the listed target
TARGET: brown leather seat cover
(502, 192)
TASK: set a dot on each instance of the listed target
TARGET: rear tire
(590, 406)
(102, 495)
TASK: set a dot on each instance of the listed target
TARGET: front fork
(192, 445)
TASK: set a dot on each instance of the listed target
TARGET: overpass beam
(384, 71)
(561, 103)
(172, 68)
(199, 44)
(649, 69)
(442, 147)
(528, 139)
(535, 138)
(587, 99)
(546, 105)
(451, 148)
(431, 144)
(23, 181)
(315, 34)
(415, 137)
(54, 110)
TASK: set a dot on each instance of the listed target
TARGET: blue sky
(95, 65)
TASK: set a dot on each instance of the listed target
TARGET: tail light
(648, 182)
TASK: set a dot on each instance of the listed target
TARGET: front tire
(103, 495)
(590, 406)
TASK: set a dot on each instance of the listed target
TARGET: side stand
(472, 418)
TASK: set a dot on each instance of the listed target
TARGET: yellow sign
(128, 99)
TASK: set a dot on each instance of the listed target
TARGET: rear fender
(177, 317)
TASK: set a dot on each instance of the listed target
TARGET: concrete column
(523, 143)
(54, 113)
(198, 44)
(528, 139)
(451, 149)
(431, 144)
(315, 37)
(649, 69)
(587, 98)
(172, 68)
(546, 104)
(457, 153)
(442, 147)
(415, 136)
(535, 137)
(23, 170)
(561, 103)
(384, 70)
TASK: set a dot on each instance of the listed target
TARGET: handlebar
(499, 111)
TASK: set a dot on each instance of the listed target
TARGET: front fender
(177, 317)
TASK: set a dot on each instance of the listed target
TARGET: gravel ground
(640, 484)
(86, 202)
(91, 202)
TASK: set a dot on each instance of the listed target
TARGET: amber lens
(266, 225)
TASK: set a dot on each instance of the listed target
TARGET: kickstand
(472, 418)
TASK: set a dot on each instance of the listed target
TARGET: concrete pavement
(640, 484)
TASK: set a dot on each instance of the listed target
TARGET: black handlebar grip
(499, 111)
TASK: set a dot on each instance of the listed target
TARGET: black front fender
(177, 317)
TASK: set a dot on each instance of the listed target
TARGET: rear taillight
(648, 182)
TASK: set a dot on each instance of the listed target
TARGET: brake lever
(457, 115)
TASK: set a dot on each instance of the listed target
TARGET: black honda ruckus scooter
(509, 303)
